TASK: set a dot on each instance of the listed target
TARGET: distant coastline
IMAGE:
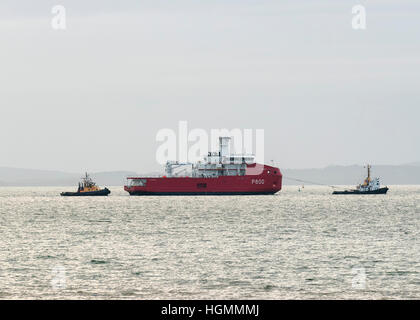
(15, 177)
(407, 174)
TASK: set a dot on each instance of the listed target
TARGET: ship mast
(368, 167)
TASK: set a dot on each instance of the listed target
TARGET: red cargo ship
(220, 173)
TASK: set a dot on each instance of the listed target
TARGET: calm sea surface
(298, 245)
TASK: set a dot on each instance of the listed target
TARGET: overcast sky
(92, 97)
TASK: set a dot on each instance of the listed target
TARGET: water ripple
(294, 245)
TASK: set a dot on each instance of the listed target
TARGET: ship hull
(348, 192)
(266, 180)
(99, 193)
(210, 193)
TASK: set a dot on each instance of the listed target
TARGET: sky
(92, 97)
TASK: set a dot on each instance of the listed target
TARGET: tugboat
(87, 188)
(369, 186)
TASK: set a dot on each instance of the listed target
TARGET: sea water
(304, 244)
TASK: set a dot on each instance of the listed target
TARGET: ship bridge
(215, 164)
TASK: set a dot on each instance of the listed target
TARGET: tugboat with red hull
(221, 173)
(369, 186)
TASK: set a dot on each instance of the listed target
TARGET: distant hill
(353, 175)
(30, 177)
(111, 178)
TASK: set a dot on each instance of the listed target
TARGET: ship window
(201, 185)
(275, 172)
(268, 171)
(138, 182)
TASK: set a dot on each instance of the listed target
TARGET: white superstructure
(215, 164)
(369, 184)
